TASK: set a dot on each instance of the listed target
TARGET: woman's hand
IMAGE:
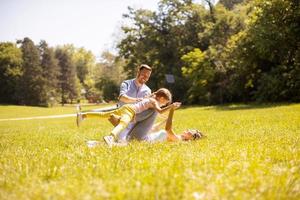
(176, 105)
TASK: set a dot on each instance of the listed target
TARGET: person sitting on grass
(127, 112)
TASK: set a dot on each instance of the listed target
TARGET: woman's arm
(157, 126)
(171, 134)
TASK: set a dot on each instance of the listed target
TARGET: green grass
(251, 152)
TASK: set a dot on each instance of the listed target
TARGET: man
(132, 91)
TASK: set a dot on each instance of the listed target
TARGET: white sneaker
(122, 141)
(110, 140)
(121, 144)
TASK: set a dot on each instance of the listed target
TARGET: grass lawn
(251, 152)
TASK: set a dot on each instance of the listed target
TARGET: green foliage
(160, 39)
(109, 88)
(275, 85)
(10, 71)
(200, 74)
(31, 90)
(234, 51)
(251, 152)
(266, 52)
(69, 83)
(85, 65)
(229, 4)
(245, 43)
(109, 76)
(44, 76)
(51, 73)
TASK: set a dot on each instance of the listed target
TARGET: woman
(168, 134)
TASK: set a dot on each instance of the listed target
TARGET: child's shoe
(109, 140)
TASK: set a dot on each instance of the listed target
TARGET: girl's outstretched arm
(162, 110)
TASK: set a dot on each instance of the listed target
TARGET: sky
(92, 24)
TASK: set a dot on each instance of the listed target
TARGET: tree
(160, 39)
(229, 4)
(69, 83)
(85, 63)
(249, 46)
(267, 52)
(32, 83)
(110, 75)
(10, 71)
(200, 73)
(110, 90)
(51, 72)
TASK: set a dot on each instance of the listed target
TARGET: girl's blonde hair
(163, 92)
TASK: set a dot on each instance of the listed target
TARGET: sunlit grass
(251, 152)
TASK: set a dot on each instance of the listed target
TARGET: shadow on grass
(239, 106)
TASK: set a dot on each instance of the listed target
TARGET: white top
(159, 136)
(141, 106)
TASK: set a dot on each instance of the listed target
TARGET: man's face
(143, 76)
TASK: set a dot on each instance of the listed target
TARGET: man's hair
(165, 93)
(144, 66)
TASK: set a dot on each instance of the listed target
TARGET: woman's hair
(196, 134)
(163, 92)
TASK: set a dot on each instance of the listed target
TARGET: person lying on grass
(168, 134)
(127, 112)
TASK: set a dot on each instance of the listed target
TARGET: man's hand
(127, 99)
(176, 105)
(138, 99)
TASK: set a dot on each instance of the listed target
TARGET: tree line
(234, 51)
(41, 75)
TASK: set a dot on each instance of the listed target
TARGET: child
(127, 112)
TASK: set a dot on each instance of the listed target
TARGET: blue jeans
(144, 122)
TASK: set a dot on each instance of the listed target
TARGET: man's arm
(127, 99)
(123, 97)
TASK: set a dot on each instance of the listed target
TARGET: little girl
(127, 112)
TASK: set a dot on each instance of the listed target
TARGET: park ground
(251, 152)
